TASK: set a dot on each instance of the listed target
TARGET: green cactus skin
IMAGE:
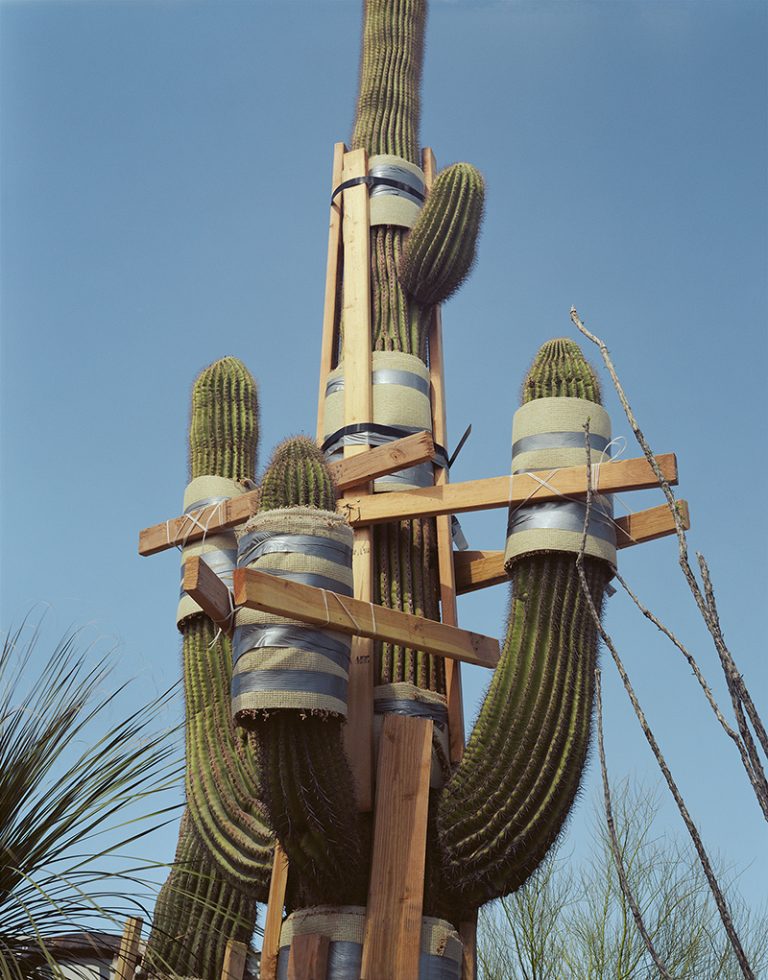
(509, 798)
(307, 786)
(224, 816)
(197, 912)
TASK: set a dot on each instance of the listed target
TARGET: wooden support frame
(270, 947)
(235, 958)
(501, 491)
(128, 954)
(308, 959)
(319, 607)
(480, 569)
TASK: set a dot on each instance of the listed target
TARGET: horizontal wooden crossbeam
(259, 590)
(500, 491)
(203, 585)
(396, 455)
(480, 569)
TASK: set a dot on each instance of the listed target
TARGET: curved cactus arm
(440, 250)
(307, 786)
(511, 794)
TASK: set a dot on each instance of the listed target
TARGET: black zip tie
(460, 446)
(376, 182)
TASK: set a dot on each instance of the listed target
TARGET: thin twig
(717, 894)
(614, 840)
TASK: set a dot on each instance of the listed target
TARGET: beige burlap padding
(533, 527)
(393, 404)
(403, 691)
(202, 490)
(267, 670)
(346, 923)
(392, 209)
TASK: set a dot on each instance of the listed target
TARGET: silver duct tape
(256, 636)
(566, 516)
(392, 172)
(310, 578)
(558, 440)
(437, 713)
(432, 967)
(385, 376)
(306, 681)
(370, 438)
(205, 502)
(221, 561)
(457, 535)
(421, 475)
(257, 543)
(345, 960)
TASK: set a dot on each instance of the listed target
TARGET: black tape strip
(394, 431)
(377, 182)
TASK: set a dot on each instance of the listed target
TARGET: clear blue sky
(165, 184)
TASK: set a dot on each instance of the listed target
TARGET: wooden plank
(128, 954)
(329, 340)
(235, 956)
(448, 610)
(308, 959)
(192, 527)
(480, 569)
(468, 933)
(273, 921)
(358, 407)
(500, 491)
(366, 466)
(259, 590)
(203, 585)
(392, 938)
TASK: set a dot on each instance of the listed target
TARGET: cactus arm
(527, 750)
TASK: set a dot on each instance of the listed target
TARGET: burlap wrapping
(407, 699)
(295, 665)
(547, 434)
(390, 205)
(400, 399)
(220, 550)
(441, 946)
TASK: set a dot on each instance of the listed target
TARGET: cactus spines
(527, 751)
(440, 250)
(306, 785)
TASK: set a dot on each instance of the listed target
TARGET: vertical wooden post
(308, 959)
(128, 955)
(392, 942)
(444, 534)
(274, 920)
(358, 408)
(235, 957)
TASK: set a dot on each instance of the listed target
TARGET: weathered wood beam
(259, 590)
(203, 585)
(235, 957)
(270, 947)
(308, 959)
(128, 954)
(396, 455)
(500, 491)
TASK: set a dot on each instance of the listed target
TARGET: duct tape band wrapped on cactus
(282, 663)
(403, 698)
(441, 946)
(217, 550)
(395, 205)
(400, 402)
(547, 434)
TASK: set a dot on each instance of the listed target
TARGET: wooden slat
(308, 959)
(203, 585)
(330, 338)
(358, 407)
(235, 956)
(199, 524)
(274, 917)
(500, 491)
(468, 933)
(366, 466)
(395, 898)
(259, 590)
(128, 954)
(480, 569)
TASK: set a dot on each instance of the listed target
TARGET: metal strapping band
(558, 440)
(566, 516)
(415, 709)
(385, 376)
(374, 434)
(310, 681)
(373, 182)
(254, 636)
(310, 578)
(257, 543)
(205, 502)
(219, 560)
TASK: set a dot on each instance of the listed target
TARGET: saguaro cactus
(223, 859)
